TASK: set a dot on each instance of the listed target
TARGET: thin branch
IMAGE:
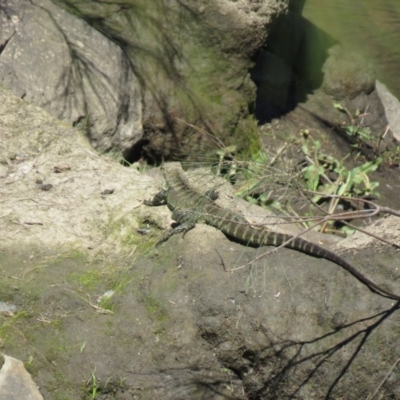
(373, 211)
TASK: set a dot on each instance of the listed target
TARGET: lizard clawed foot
(185, 227)
(158, 200)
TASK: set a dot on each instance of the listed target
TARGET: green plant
(341, 181)
(90, 278)
(83, 347)
(83, 124)
(93, 385)
(355, 130)
(362, 137)
(391, 158)
(227, 165)
(329, 179)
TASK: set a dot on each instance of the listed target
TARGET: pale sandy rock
(16, 383)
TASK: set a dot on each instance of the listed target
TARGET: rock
(45, 159)
(193, 63)
(174, 64)
(347, 74)
(15, 381)
(62, 64)
(290, 66)
(182, 328)
(392, 108)
(7, 309)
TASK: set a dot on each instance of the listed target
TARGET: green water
(372, 27)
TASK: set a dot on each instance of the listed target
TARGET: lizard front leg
(182, 218)
(178, 229)
(184, 225)
(159, 199)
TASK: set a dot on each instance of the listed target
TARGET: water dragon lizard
(189, 206)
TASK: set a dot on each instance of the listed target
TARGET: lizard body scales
(188, 206)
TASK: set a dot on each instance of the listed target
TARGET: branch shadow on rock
(81, 77)
(154, 41)
(286, 381)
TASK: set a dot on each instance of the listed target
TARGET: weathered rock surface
(53, 164)
(62, 64)
(182, 322)
(192, 61)
(347, 74)
(15, 381)
(156, 70)
(392, 108)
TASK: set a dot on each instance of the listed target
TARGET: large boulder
(193, 61)
(70, 184)
(60, 63)
(90, 314)
(153, 73)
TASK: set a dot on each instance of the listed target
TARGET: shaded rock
(62, 64)
(290, 66)
(192, 60)
(392, 108)
(286, 324)
(164, 67)
(347, 74)
(15, 381)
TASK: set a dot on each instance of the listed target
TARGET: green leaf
(344, 189)
(338, 106)
(351, 130)
(312, 176)
(305, 150)
(265, 197)
(348, 231)
(365, 133)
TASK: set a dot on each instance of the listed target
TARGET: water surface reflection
(372, 27)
